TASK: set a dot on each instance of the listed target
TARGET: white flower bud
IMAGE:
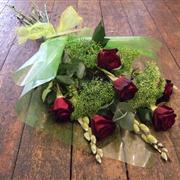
(80, 120)
(136, 122)
(100, 152)
(165, 150)
(144, 128)
(151, 139)
(85, 126)
(86, 120)
(93, 139)
(98, 158)
(136, 128)
(93, 148)
(87, 136)
(144, 138)
(164, 156)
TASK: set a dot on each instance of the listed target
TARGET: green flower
(93, 96)
(150, 86)
(83, 51)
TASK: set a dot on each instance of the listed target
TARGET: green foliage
(145, 115)
(83, 51)
(99, 34)
(127, 56)
(68, 70)
(46, 91)
(93, 96)
(124, 116)
(65, 79)
(150, 86)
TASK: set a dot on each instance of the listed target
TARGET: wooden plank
(174, 6)
(42, 156)
(168, 26)
(84, 165)
(10, 127)
(115, 21)
(142, 24)
(8, 23)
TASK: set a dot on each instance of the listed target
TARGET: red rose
(102, 126)
(163, 118)
(62, 109)
(168, 90)
(108, 59)
(125, 88)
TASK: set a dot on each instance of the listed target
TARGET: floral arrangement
(102, 83)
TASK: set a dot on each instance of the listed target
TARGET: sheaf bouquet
(110, 86)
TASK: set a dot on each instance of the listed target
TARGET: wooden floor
(26, 153)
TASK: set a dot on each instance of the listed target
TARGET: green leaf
(99, 34)
(124, 116)
(127, 121)
(65, 79)
(80, 70)
(50, 98)
(145, 115)
(125, 107)
(46, 91)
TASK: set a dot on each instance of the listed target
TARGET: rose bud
(109, 59)
(163, 118)
(125, 88)
(102, 126)
(168, 90)
(62, 109)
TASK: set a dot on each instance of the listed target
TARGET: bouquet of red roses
(110, 86)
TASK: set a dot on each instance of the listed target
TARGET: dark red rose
(125, 88)
(168, 90)
(102, 126)
(108, 59)
(62, 109)
(163, 118)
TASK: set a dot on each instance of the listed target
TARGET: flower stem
(110, 75)
(153, 107)
(65, 33)
(58, 93)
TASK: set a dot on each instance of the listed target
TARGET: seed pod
(151, 139)
(144, 138)
(164, 156)
(100, 152)
(93, 148)
(85, 126)
(86, 120)
(136, 128)
(93, 139)
(98, 158)
(136, 122)
(87, 136)
(144, 128)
